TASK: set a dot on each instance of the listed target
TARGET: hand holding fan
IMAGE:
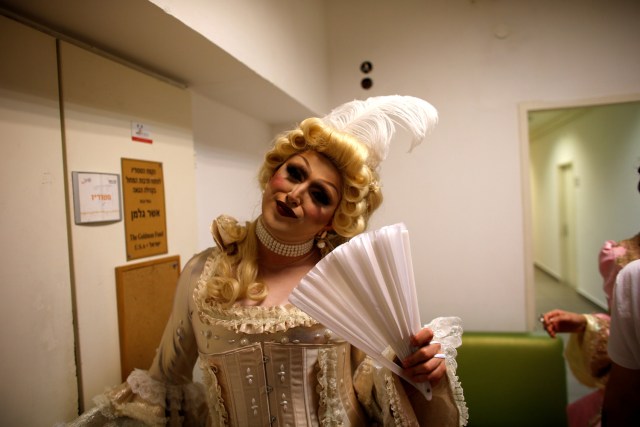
(364, 291)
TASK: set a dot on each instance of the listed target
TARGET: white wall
(229, 150)
(101, 98)
(461, 193)
(603, 144)
(38, 369)
(284, 41)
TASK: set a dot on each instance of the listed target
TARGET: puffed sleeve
(586, 352)
(165, 394)
(608, 265)
(385, 399)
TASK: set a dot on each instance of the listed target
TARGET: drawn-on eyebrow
(323, 180)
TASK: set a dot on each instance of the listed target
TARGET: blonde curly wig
(355, 137)
(235, 267)
(235, 275)
(361, 193)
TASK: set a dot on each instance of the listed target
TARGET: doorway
(567, 213)
(579, 164)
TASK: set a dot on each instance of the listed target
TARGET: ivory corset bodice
(277, 367)
(267, 366)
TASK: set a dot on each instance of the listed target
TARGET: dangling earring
(321, 239)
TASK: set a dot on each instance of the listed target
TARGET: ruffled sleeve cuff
(609, 266)
(383, 396)
(448, 332)
(154, 403)
(586, 351)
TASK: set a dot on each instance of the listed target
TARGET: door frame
(524, 108)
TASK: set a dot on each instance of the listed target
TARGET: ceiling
(542, 122)
(142, 34)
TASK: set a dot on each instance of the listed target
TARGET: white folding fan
(364, 291)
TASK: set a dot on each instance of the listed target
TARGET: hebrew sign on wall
(144, 208)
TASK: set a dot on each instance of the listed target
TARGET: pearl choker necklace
(281, 248)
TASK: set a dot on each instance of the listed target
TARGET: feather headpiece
(373, 121)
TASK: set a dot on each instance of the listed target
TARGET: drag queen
(264, 361)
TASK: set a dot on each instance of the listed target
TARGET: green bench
(513, 379)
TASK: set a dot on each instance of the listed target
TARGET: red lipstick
(285, 210)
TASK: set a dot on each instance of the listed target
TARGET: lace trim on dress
(448, 332)
(330, 411)
(154, 403)
(145, 404)
(245, 319)
(146, 387)
(586, 352)
(377, 392)
(595, 339)
(217, 409)
(598, 338)
(363, 382)
(399, 418)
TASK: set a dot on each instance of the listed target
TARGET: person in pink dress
(586, 352)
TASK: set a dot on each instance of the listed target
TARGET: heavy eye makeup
(319, 194)
(296, 173)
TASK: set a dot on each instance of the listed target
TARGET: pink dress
(586, 352)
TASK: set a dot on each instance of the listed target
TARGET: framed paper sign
(96, 197)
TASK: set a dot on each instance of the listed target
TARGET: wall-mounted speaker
(366, 67)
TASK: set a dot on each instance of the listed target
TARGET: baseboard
(547, 271)
(592, 300)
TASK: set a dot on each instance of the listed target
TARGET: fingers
(547, 324)
(427, 363)
(429, 368)
(433, 376)
(421, 355)
(556, 321)
(422, 338)
(551, 321)
(553, 313)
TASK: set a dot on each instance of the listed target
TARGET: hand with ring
(427, 363)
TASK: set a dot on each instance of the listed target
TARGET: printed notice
(96, 197)
(144, 208)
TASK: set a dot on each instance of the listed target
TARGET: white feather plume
(373, 121)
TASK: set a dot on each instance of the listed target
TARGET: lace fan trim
(245, 319)
(448, 332)
(330, 411)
